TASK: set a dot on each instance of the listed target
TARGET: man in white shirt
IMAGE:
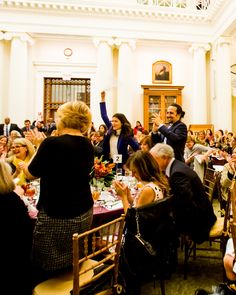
(7, 127)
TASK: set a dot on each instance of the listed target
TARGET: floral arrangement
(102, 171)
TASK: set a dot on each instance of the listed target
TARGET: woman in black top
(65, 205)
(16, 237)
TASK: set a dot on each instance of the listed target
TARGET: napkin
(113, 205)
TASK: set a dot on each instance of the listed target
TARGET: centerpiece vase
(98, 184)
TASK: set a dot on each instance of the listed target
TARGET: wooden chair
(219, 233)
(209, 182)
(98, 263)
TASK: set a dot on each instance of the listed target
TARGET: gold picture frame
(162, 72)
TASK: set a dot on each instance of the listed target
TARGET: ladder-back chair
(95, 256)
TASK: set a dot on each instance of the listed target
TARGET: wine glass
(118, 174)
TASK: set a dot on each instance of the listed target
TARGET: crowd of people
(61, 154)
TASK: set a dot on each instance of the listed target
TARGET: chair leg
(185, 260)
(162, 285)
(189, 246)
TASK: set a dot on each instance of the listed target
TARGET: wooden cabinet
(157, 98)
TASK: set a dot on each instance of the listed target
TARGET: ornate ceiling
(175, 20)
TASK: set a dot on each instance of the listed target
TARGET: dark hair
(221, 131)
(147, 140)
(210, 131)
(126, 128)
(147, 168)
(179, 109)
(104, 126)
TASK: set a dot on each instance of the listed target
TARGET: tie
(7, 131)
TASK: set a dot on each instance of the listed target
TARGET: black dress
(15, 246)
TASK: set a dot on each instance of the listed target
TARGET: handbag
(147, 246)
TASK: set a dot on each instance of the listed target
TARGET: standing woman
(119, 135)
(65, 204)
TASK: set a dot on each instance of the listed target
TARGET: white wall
(46, 59)
(181, 60)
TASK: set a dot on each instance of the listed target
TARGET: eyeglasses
(17, 147)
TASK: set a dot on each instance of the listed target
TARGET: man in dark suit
(194, 213)
(7, 127)
(27, 127)
(175, 134)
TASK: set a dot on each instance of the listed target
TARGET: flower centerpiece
(102, 173)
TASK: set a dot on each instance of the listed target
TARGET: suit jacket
(176, 136)
(12, 127)
(24, 129)
(193, 210)
(123, 141)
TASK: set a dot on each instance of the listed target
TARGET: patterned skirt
(52, 241)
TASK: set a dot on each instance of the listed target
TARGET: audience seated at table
(63, 164)
(22, 151)
(136, 266)
(16, 237)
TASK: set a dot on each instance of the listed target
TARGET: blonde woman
(16, 235)
(22, 151)
(65, 204)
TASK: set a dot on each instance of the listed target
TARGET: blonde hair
(7, 184)
(24, 141)
(74, 115)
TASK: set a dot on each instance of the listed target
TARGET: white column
(104, 76)
(199, 99)
(2, 113)
(125, 84)
(223, 85)
(18, 103)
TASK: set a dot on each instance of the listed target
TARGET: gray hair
(162, 149)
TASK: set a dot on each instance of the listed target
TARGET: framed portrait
(162, 72)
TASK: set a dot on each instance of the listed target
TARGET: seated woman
(16, 236)
(22, 151)
(145, 169)
(146, 143)
(136, 266)
(4, 147)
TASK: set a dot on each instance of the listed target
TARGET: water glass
(118, 174)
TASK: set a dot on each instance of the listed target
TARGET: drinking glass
(118, 174)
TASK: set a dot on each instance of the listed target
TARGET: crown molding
(131, 8)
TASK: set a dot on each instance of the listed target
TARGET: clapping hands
(35, 136)
(156, 120)
(121, 188)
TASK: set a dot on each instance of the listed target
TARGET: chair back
(233, 202)
(97, 249)
(209, 182)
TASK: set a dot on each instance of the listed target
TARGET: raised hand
(35, 136)
(103, 95)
